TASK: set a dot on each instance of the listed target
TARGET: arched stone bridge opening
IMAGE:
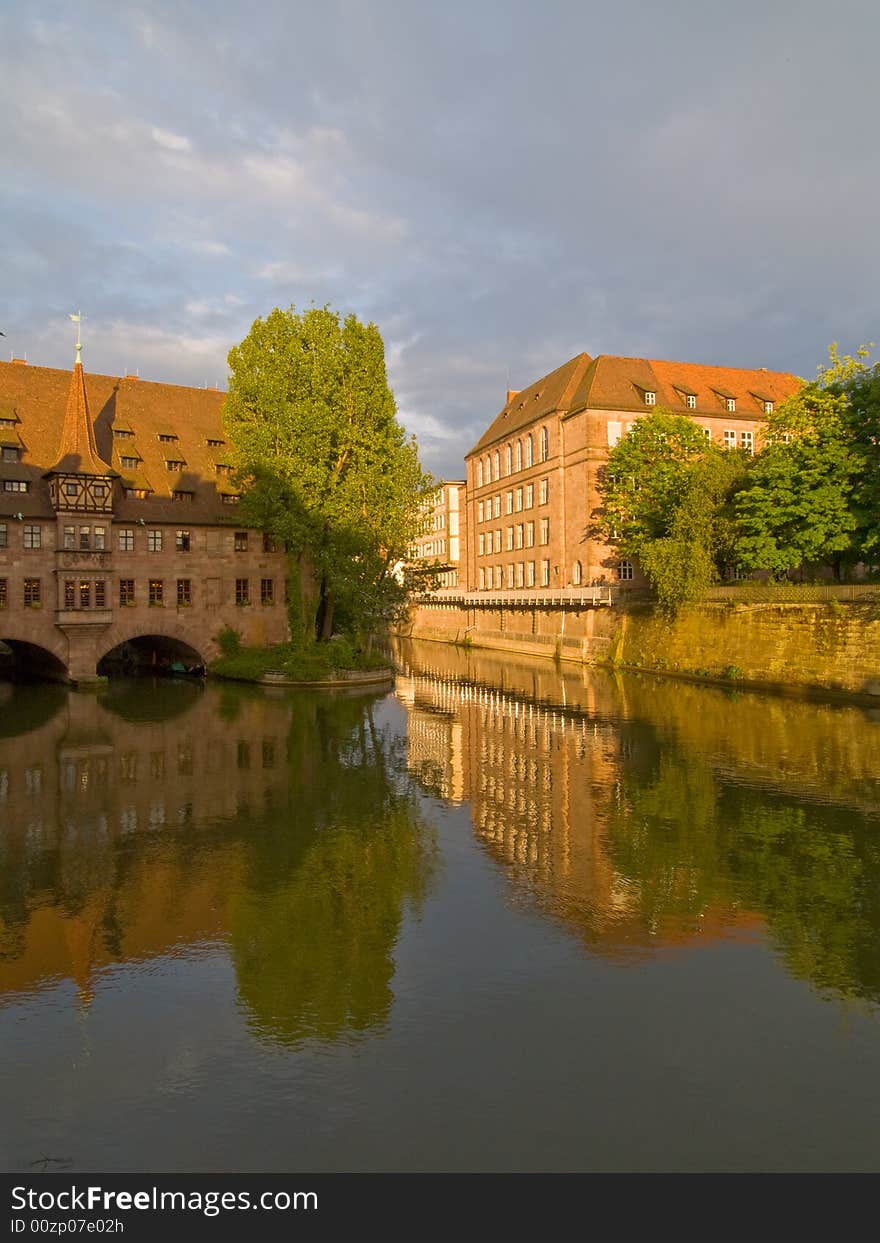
(154, 655)
(22, 661)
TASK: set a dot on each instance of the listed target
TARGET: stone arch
(44, 657)
(162, 628)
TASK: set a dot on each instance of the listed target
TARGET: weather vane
(77, 318)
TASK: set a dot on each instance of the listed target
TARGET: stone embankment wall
(829, 646)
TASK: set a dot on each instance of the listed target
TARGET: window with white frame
(731, 404)
(482, 545)
(690, 401)
(497, 505)
(520, 574)
(530, 535)
(519, 500)
(488, 468)
(508, 501)
(768, 407)
(498, 540)
(508, 460)
(479, 511)
(545, 491)
(544, 444)
(499, 581)
(510, 539)
(545, 530)
(530, 574)
(518, 455)
(482, 579)
(729, 438)
(529, 450)
(520, 535)
(530, 496)
(747, 442)
(497, 464)
(545, 573)
(480, 473)
(577, 574)
(650, 397)
(510, 576)
(625, 570)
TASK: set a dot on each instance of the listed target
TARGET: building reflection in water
(161, 820)
(648, 815)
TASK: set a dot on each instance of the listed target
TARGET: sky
(497, 184)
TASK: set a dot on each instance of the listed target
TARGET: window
(230, 498)
(482, 544)
(184, 593)
(174, 464)
(100, 594)
(529, 450)
(498, 540)
(154, 541)
(519, 500)
(530, 496)
(85, 594)
(510, 576)
(100, 539)
(508, 460)
(241, 591)
(488, 468)
(126, 592)
(11, 453)
(496, 503)
(518, 455)
(577, 574)
(69, 593)
(482, 579)
(85, 538)
(69, 537)
(509, 503)
(270, 544)
(137, 494)
(499, 581)
(729, 439)
(3, 535)
(32, 595)
(747, 442)
(544, 445)
(224, 468)
(480, 473)
(182, 494)
(625, 570)
(241, 541)
(520, 574)
(545, 573)
(125, 538)
(4, 592)
(690, 401)
(183, 541)
(707, 432)
(731, 404)
(530, 535)
(530, 573)
(32, 536)
(768, 407)
(167, 438)
(545, 491)
(497, 464)
(545, 530)
(267, 591)
(650, 397)
(123, 433)
(157, 592)
(215, 444)
(510, 539)
(19, 485)
(479, 511)
(129, 463)
(520, 535)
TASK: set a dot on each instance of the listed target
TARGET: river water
(505, 918)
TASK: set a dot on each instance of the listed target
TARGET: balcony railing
(523, 598)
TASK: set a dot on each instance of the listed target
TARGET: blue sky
(497, 185)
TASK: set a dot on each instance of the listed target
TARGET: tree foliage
(328, 467)
(666, 503)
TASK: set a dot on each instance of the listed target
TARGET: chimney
(511, 393)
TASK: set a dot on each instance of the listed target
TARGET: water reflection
(154, 820)
(648, 815)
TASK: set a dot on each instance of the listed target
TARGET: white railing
(524, 598)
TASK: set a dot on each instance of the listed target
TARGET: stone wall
(829, 646)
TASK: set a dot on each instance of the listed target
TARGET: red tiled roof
(38, 397)
(553, 392)
(615, 383)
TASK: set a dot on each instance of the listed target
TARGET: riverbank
(335, 664)
(828, 647)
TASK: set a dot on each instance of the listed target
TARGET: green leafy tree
(328, 467)
(666, 503)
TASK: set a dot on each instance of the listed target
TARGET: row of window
(514, 501)
(520, 536)
(94, 538)
(522, 574)
(175, 465)
(166, 438)
(516, 457)
(616, 430)
(87, 593)
(433, 548)
(690, 400)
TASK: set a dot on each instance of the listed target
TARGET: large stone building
(119, 524)
(532, 478)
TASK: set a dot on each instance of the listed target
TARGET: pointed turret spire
(78, 452)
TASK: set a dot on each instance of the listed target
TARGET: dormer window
(7, 422)
(175, 464)
(123, 433)
(690, 401)
(768, 407)
(650, 397)
(130, 463)
(11, 453)
(167, 438)
(215, 444)
(731, 404)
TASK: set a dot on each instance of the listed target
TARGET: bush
(308, 663)
(229, 641)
